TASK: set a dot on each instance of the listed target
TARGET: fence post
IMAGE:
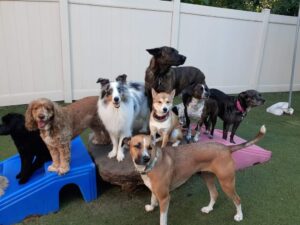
(66, 49)
(261, 48)
(175, 23)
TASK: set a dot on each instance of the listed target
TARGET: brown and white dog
(164, 170)
(163, 120)
(59, 125)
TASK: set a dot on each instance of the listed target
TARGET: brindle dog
(161, 76)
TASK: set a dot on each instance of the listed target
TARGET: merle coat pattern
(33, 151)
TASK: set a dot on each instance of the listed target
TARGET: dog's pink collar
(161, 118)
(239, 106)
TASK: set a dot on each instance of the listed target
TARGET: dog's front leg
(113, 152)
(55, 159)
(164, 207)
(120, 153)
(233, 130)
(150, 207)
(65, 156)
(165, 139)
(225, 130)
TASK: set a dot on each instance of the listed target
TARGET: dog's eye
(168, 102)
(159, 102)
(149, 148)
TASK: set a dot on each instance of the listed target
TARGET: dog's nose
(116, 99)
(165, 109)
(146, 159)
(41, 116)
(183, 58)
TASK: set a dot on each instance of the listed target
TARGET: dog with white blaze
(121, 104)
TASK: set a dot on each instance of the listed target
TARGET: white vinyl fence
(59, 48)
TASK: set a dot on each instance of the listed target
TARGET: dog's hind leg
(150, 207)
(209, 180)
(228, 186)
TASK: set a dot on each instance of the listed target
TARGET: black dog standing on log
(33, 151)
(161, 76)
(232, 110)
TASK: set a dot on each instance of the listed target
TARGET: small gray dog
(162, 77)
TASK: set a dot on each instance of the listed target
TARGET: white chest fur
(157, 125)
(147, 181)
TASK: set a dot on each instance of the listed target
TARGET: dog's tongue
(41, 124)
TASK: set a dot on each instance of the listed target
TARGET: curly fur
(3, 184)
(59, 125)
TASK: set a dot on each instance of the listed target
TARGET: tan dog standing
(163, 121)
(163, 171)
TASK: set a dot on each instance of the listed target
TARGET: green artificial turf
(270, 192)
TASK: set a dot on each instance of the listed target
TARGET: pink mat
(245, 157)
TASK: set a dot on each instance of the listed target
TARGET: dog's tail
(259, 136)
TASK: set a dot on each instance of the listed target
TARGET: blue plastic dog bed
(40, 195)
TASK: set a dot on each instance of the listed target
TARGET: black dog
(33, 151)
(161, 76)
(232, 110)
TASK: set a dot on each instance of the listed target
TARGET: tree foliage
(283, 7)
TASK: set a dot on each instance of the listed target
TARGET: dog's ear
(243, 95)
(153, 92)
(154, 51)
(30, 123)
(102, 81)
(173, 92)
(121, 78)
(126, 142)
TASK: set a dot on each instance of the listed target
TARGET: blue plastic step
(40, 195)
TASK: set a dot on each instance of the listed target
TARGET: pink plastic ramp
(243, 158)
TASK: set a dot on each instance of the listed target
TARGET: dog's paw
(196, 138)
(176, 144)
(63, 170)
(112, 154)
(210, 136)
(207, 209)
(23, 180)
(52, 168)
(238, 217)
(149, 208)
(120, 156)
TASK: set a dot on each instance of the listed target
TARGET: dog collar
(239, 107)
(161, 118)
(150, 165)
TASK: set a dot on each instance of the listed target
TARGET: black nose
(116, 99)
(41, 116)
(146, 159)
(183, 58)
(165, 110)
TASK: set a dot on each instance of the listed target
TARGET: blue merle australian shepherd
(120, 105)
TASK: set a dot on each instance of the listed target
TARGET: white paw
(52, 168)
(206, 209)
(120, 156)
(238, 217)
(176, 144)
(112, 153)
(196, 138)
(149, 208)
(188, 136)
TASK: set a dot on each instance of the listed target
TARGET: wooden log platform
(110, 170)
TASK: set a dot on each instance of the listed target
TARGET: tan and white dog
(163, 121)
(164, 170)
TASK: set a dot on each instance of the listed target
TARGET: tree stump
(110, 170)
